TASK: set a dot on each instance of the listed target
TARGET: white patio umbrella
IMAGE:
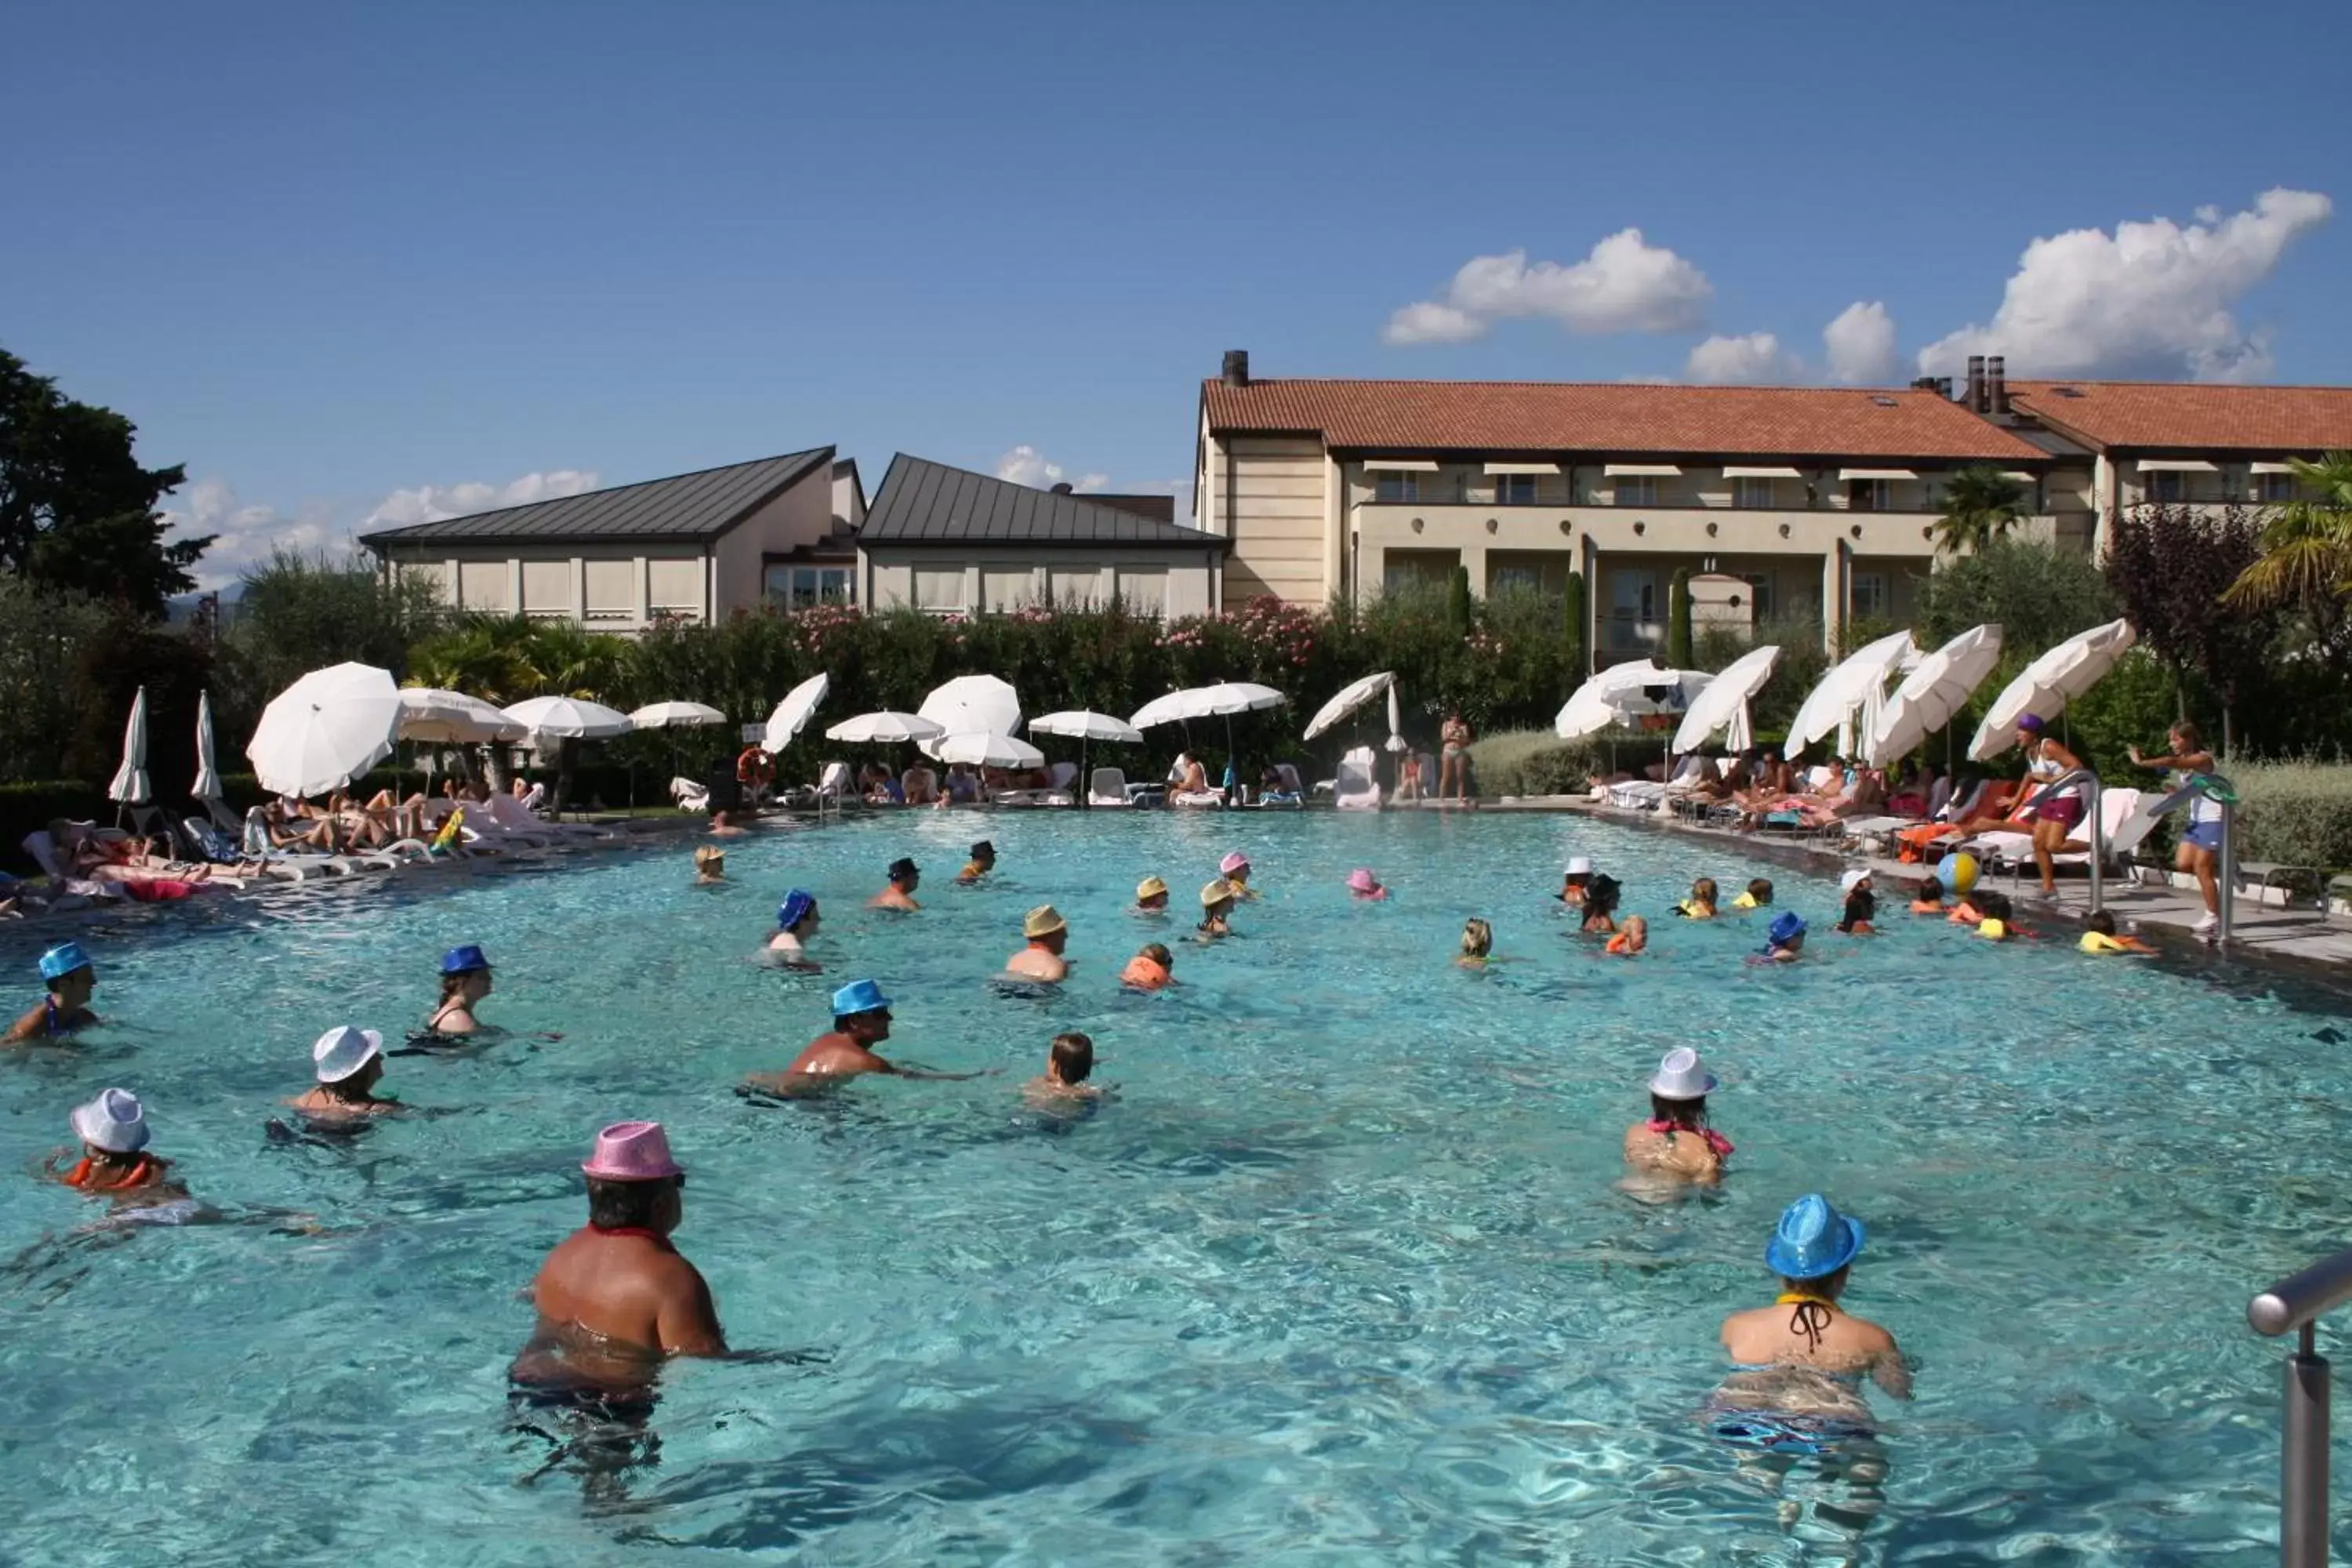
(675, 716)
(129, 786)
(452, 719)
(1352, 696)
(568, 719)
(1724, 701)
(885, 726)
(1831, 705)
(1624, 692)
(792, 714)
(978, 749)
(1931, 694)
(325, 729)
(1084, 725)
(208, 780)
(1219, 702)
(2044, 687)
(971, 705)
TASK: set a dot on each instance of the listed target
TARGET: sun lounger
(1637, 795)
(1290, 796)
(1107, 787)
(1358, 788)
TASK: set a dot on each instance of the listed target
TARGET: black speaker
(726, 794)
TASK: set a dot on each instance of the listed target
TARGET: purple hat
(1237, 861)
(1362, 880)
(633, 1152)
(2030, 723)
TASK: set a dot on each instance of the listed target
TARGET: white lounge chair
(1291, 797)
(689, 794)
(295, 865)
(1107, 787)
(511, 817)
(2119, 835)
(1358, 788)
(1637, 795)
(836, 783)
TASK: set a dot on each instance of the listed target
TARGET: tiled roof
(690, 506)
(1613, 418)
(923, 504)
(2187, 417)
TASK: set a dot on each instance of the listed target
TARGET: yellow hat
(1151, 888)
(1992, 930)
(1043, 921)
(1217, 892)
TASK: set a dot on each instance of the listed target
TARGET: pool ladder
(2218, 789)
(2295, 1304)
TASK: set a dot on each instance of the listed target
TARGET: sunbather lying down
(1867, 793)
(120, 862)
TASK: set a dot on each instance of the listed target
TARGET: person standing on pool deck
(1812, 1251)
(614, 1298)
(1235, 869)
(464, 981)
(70, 977)
(796, 920)
(1042, 960)
(905, 878)
(1454, 759)
(2200, 851)
(2057, 814)
(1676, 1141)
(982, 861)
(348, 1064)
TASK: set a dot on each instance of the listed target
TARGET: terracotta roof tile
(2187, 417)
(1615, 418)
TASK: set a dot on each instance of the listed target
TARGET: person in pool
(1700, 905)
(464, 981)
(1631, 939)
(982, 861)
(2099, 936)
(1600, 906)
(710, 865)
(114, 1161)
(796, 920)
(1785, 942)
(1235, 869)
(1574, 880)
(1759, 896)
(1151, 896)
(1068, 1065)
(348, 1064)
(905, 878)
(1152, 969)
(69, 977)
(1477, 943)
(1217, 909)
(861, 1020)
(1047, 933)
(1365, 887)
(1812, 1251)
(1860, 904)
(615, 1299)
(1928, 896)
(1677, 1142)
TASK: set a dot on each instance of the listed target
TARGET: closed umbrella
(325, 729)
(792, 714)
(978, 749)
(453, 719)
(1831, 705)
(1726, 697)
(675, 716)
(2044, 687)
(1396, 740)
(129, 786)
(1931, 694)
(867, 728)
(1352, 696)
(1084, 725)
(208, 780)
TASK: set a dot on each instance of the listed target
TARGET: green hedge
(1531, 761)
(2299, 813)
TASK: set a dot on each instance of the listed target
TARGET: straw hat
(1042, 921)
(1217, 892)
(1151, 888)
(633, 1152)
(344, 1050)
(113, 1121)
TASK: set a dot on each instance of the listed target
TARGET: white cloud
(1861, 345)
(1755, 359)
(1025, 465)
(438, 503)
(1626, 285)
(2151, 298)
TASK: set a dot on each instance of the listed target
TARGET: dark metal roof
(1160, 508)
(692, 506)
(924, 503)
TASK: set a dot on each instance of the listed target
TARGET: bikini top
(1716, 1142)
(1812, 1317)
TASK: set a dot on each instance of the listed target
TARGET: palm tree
(559, 659)
(2307, 560)
(1980, 504)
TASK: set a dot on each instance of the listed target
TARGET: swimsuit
(1716, 1142)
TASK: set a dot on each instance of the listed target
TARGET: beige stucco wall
(1272, 495)
(802, 515)
(1189, 574)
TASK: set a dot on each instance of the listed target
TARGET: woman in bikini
(464, 981)
(1453, 761)
(71, 977)
(1675, 1141)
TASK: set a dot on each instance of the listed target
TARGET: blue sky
(351, 262)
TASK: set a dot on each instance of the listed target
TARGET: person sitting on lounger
(70, 977)
(905, 878)
(964, 786)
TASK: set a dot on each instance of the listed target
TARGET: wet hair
(1687, 1113)
(451, 985)
(1829, 1285)
(1600, 897)
(1861, 907)
(1704, 891)
(2190, 738)
(1993, 906)
(1158, 952)
(2103, 921)
(1760, 889)
(1073, 1056)
(1929, 888)
(613, 1205)
(1477, 937)
(902, 868)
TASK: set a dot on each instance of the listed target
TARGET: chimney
(1976, 395)
(1996, 383)
(1941, 385)
(1236, 367)
(1062, 488)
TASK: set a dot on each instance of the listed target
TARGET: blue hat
(794, 910)
(858, 996)
(1787, 928)
(63, 959)
(1813, 1240)
(463, 959)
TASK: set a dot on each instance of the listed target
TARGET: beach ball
(1958, 873)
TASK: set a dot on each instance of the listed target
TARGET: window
(1144, 591)
(612, 589)
(547, 588)
(791, 588)
(485, 586)
(1418, 571)
(1527, 572)
(2273, 489)
(1870, 495)
(1633, 595)
(1637, 489)
(1393, 487)
(1761, 594)
(1754, 493)
(1004, 589)
(1075, 590)
(938, 592)
(2166, 487)
(1869, 598)
(1515, 489)
(675, 587)
(434, 575)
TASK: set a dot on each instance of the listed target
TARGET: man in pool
(1067, 1066)
(905, 878)
(615, 1299)
(70, 977)
(1042, 960)
(982, 861)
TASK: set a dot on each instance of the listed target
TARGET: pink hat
(633, 1152)
(1362, 880)
(1237, 861)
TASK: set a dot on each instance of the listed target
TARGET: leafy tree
(1457, 601)
(1981, 504)
(1572, 612)
(77, 511)
(2306, 548)
(1678, 621)
(2037, 593)
(2170, 567)
(300, 613)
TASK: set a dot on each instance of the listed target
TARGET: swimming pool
(1343, 1276)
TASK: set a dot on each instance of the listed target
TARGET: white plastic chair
(1358, 786)
(1107, 787)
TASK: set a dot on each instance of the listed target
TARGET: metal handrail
(2295, 1304)
(2098, 828)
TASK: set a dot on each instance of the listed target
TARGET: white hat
(1579, 865)
(343, 1050)
(1853, 878)
(113, 1121)
(1682, 1076)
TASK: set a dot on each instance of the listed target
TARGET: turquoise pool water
(1344, 1276)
